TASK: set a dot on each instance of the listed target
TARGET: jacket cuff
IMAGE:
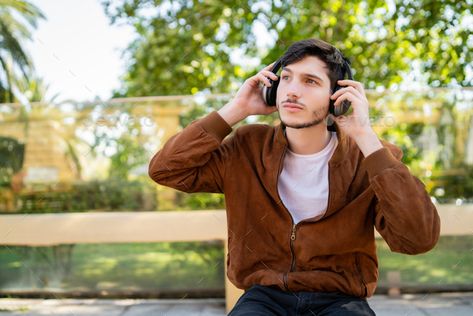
(379, 160)
(215, 125)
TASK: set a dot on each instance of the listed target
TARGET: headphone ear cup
(345, 104)
(342, 108)
(331, 106)
(264, 94)
(270, 93)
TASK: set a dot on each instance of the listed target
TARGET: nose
(292, 95)
(293, 91)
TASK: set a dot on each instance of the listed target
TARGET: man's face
(303, 93)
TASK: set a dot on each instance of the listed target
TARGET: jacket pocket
(364, 290)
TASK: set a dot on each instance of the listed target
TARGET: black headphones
(269, 93)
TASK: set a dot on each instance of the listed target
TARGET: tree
(17, 18)
(188, 46)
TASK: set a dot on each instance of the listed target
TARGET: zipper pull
(293, 234)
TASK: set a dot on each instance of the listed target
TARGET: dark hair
(329, 54)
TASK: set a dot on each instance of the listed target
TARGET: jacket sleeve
(194, 159)
(404, 214)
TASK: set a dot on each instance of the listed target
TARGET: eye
(284, 77)
(310, 81)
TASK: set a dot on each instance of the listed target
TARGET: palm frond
(6, 93)
(17, 21)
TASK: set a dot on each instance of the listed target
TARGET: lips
(292, 105)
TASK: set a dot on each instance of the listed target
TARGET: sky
(78, 53)
(76, 50)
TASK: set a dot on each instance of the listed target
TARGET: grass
(141, 266)
(21, 309)
(450, 262)
(174, 266)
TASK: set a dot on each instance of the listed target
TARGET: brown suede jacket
(328, 253)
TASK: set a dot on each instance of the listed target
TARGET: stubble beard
(317, 118)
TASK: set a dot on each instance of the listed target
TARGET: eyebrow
(304, 74)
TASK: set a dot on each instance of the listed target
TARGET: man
(302, 202)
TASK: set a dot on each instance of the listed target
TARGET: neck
(306, 141)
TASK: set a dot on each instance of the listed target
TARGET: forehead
(309, 65)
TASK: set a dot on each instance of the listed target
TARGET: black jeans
(265, 300)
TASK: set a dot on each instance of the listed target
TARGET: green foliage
(196, 111)
(201, 201)
(129, 154)
(435, 150)
(196, 265)
(17, 19)
(109, 195)
(404, 135)
(184, 46)
(448, 187)
(449, 262)
(148, 267)
(118, 134)
(12, 154)
(40, 267)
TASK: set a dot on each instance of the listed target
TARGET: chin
(297, 118)
(300, 123)
(290, 121)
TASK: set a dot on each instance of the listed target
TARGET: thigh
(259, 300)
(348, 305)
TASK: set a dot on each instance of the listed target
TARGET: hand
(357, 125)
(249, 98)
(358, 122)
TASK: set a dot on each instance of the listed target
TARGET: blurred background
(90, 90)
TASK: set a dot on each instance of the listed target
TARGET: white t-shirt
(303, 182)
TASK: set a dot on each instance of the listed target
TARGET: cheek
(323, 94)
(279, 94)
(281, 88)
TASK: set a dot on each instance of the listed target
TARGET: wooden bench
(126, 227)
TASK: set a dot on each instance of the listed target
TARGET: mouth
(292, 107)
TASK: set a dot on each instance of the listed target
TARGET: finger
(346, 96)
(262, 78)
(259, 79)
(269, 74)
(342, 120)
(344, 90)
(355, 84)
(270, 109)
(270, 66)
(342, 117)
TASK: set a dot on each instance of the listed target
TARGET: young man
(302, 202)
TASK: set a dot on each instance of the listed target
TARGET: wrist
(368, 142)
(232, 113)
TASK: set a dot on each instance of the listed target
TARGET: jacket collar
(340, 153)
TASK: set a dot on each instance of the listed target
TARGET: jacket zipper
(293, 255)
(294, 226)
(293, 237)
(292, 222)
